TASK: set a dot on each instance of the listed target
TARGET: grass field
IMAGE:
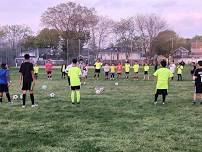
(123, 119)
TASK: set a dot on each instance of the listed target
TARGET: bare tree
(15, 33)
(148, 27)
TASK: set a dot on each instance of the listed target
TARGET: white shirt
(106, 68)
(68, 67)
(172, 68)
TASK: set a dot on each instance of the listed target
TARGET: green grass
(123, 119)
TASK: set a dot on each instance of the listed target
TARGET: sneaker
(155, 102)
(73, 103)
(35, 105)
(78, 102)
(23, 106)
(163, 103)
(193, 102)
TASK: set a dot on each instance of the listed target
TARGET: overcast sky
(184, 16)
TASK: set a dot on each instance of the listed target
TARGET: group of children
(116, 71)
(74, 72)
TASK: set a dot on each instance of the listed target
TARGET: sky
(183, 16)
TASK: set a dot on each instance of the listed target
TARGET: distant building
(181, 53)
(196, 49)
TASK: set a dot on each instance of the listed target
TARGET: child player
(197, 77)
(106, 71)
(127, 69)
(49, 69)
(179, 72)
(97, 65)
(85, 73)
(27, 79)
(163, 75)
(146, 71)
(136, 70)
(119, 71)
(63, 71)
(36, 71)
(74, 73)
(113, 71)
(4, 82)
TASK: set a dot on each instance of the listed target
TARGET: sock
(164, 98)
(78, 96)
(8, 97)
(156, 97)
(72, 96)
(32, 98)
(0, 99)
(23, 99)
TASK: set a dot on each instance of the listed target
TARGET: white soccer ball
(52, 95)
(15, 97)
(44, 87)
(97, 91)
(116, 83)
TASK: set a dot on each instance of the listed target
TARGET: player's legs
(32, 97)
(1, 96)
(156, 98)
(23, 97)
(164, 98)
(78, 96)
(8, 96)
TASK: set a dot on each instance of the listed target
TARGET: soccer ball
(15, 97)
(98, 92)
(52, 95)
(116, 83)
(44, 87)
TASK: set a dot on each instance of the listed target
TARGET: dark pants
(63, 75)
(179, 77)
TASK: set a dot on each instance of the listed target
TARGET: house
(181, 53)
(196, 49)
(115, 54)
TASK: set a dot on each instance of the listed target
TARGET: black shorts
(97, 70)
(27, 86)
(146, 72)
(4, 88)
(49, 72)
(162, 91)
(126, 72)
(75, 87)
(198, 88)
(106, 74)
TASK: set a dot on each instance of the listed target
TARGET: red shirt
(119, 68)
(48, 67)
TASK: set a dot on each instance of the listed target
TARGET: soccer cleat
(23, 106)
(163, 103)
(193, 102)
(78, 102)
(73, 103)
(35, 105)
(155, 102)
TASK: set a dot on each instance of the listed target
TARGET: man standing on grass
(4, 82)
(75, 73)
(27, 79)
(197, 77)
(163, 75)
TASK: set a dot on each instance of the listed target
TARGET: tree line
(72, 23)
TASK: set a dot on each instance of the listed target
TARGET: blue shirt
(4, 74)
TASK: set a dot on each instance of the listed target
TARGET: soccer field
(123, 119)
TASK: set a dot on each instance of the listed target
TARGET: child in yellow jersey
(179, 72)
(146, 71)
(163, 75)
(113, 71)
(136, 70)
(74, 74)
(127, 70)
(98, 66)
(36, 71)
